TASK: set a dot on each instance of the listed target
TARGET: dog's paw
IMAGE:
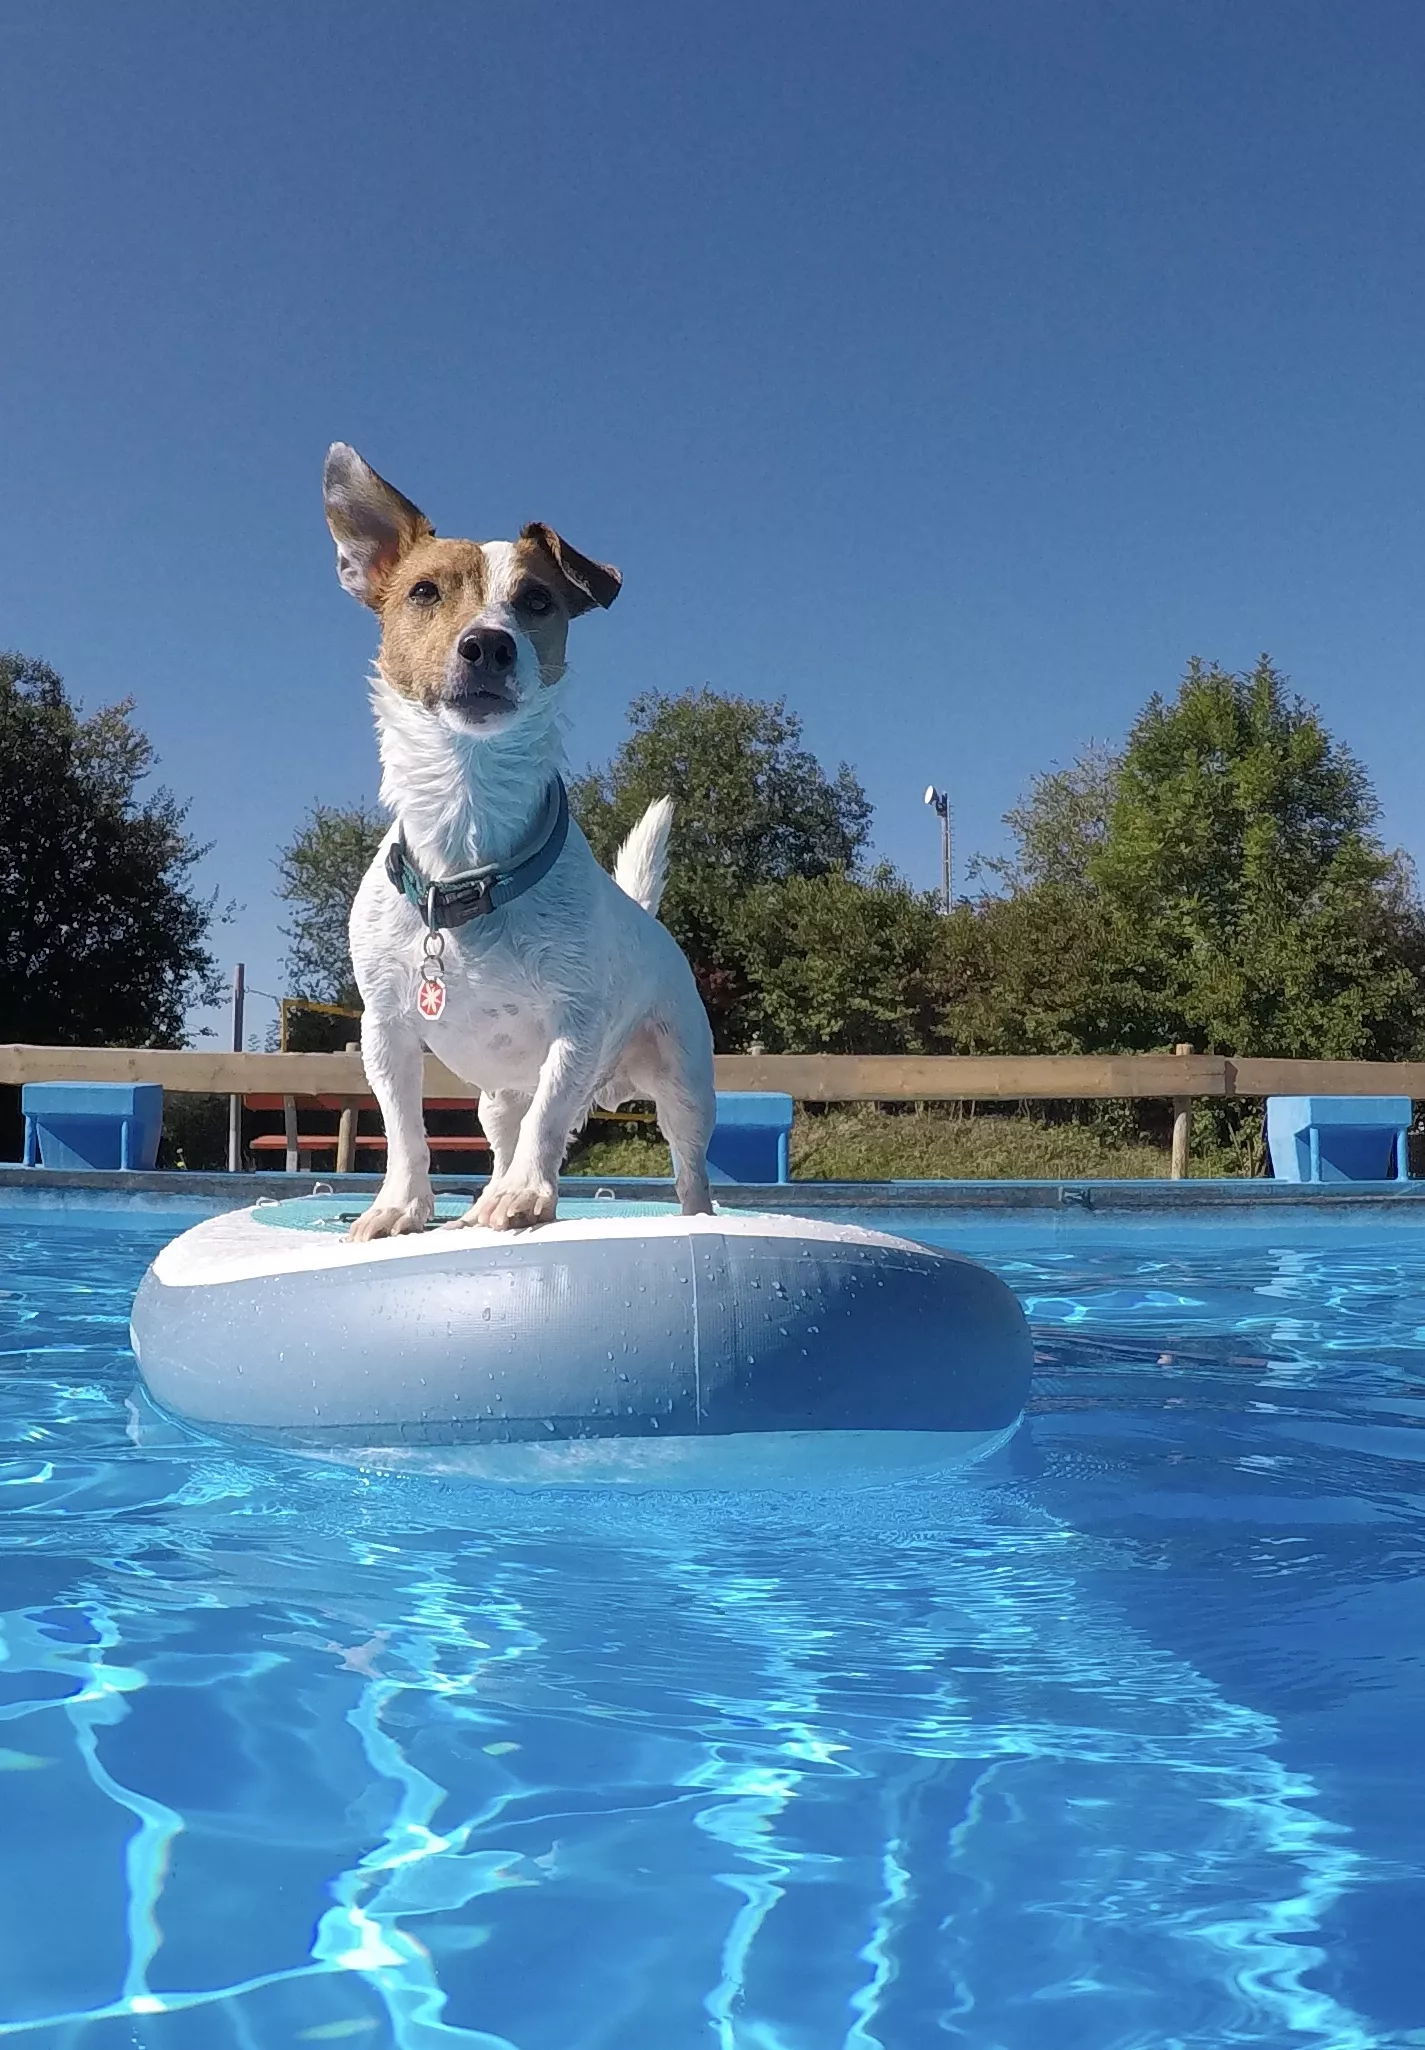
(392, 1221)
(516, 1207)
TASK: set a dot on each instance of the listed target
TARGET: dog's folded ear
(586, 582)
(371, 523)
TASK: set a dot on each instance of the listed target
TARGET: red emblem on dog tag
(430, 997)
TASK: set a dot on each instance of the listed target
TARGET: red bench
(348, 1138)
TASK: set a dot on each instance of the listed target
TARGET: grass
(866, 1145)
(853, 1143)
(861, 1143)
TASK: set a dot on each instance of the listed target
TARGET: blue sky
(957, 371)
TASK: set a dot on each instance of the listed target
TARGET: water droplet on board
(485, 1314)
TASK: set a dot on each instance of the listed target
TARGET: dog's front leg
(393, 1057)
(528, 1190)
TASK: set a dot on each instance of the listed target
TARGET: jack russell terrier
(484, 929)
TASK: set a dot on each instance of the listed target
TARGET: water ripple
(1108, 1745)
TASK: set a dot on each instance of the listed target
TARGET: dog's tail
(641, 869)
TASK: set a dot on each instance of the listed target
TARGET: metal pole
(235, 1102)
(941, 801)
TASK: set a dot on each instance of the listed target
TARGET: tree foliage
(320, 871)
(754, 810)
(838, 963)
(1062, 823)
(1219, 881)
(103, 940)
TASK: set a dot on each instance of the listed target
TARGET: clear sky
(955, 370)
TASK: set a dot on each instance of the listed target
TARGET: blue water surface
(1112, 1743)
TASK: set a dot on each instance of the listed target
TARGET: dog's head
(470, 630)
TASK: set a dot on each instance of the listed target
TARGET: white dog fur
(570, 996)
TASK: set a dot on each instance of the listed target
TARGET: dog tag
(430, 997)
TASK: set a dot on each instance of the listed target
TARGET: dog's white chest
(495, 1028)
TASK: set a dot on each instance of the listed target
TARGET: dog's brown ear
(586, 582)
(371, 523)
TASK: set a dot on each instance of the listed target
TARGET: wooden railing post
(346, 1129)
(1182, 1124)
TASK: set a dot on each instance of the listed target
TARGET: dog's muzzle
(481, 684)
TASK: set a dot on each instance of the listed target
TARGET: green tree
(1062, 823)
(839, 964)
(103, 940)
(753, 808)
(1219, 881)
(1256, 909)
(1029, 971)
(320, 870)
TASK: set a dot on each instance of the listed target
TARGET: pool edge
(203, 1194)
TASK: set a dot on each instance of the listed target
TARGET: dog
(484, 929)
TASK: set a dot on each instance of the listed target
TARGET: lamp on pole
(941, 801)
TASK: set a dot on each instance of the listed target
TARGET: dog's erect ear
(371, 523)
(587, 583)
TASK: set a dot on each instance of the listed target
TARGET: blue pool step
(1338, 1138)
(749, 1142)
(92, 1124)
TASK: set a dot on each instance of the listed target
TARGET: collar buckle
(477, 896)
(474, 895)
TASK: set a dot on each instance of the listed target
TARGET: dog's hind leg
(393, 1057)
(501, 1115)
(677, 1072)
(687, 1123)
(502, 1112)
(527, 1190)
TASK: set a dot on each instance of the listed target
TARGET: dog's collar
(458, 899)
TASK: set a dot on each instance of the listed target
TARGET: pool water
(1112, 1743)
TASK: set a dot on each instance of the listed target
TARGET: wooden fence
(1179, 1077)
(810, 1078)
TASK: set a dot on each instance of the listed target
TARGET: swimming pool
(1110, 1744)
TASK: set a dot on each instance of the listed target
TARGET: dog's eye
(534, 598)
(424, 593)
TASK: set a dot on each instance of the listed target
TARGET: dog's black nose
(488, 648)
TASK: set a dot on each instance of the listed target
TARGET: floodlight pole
(941, 801)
